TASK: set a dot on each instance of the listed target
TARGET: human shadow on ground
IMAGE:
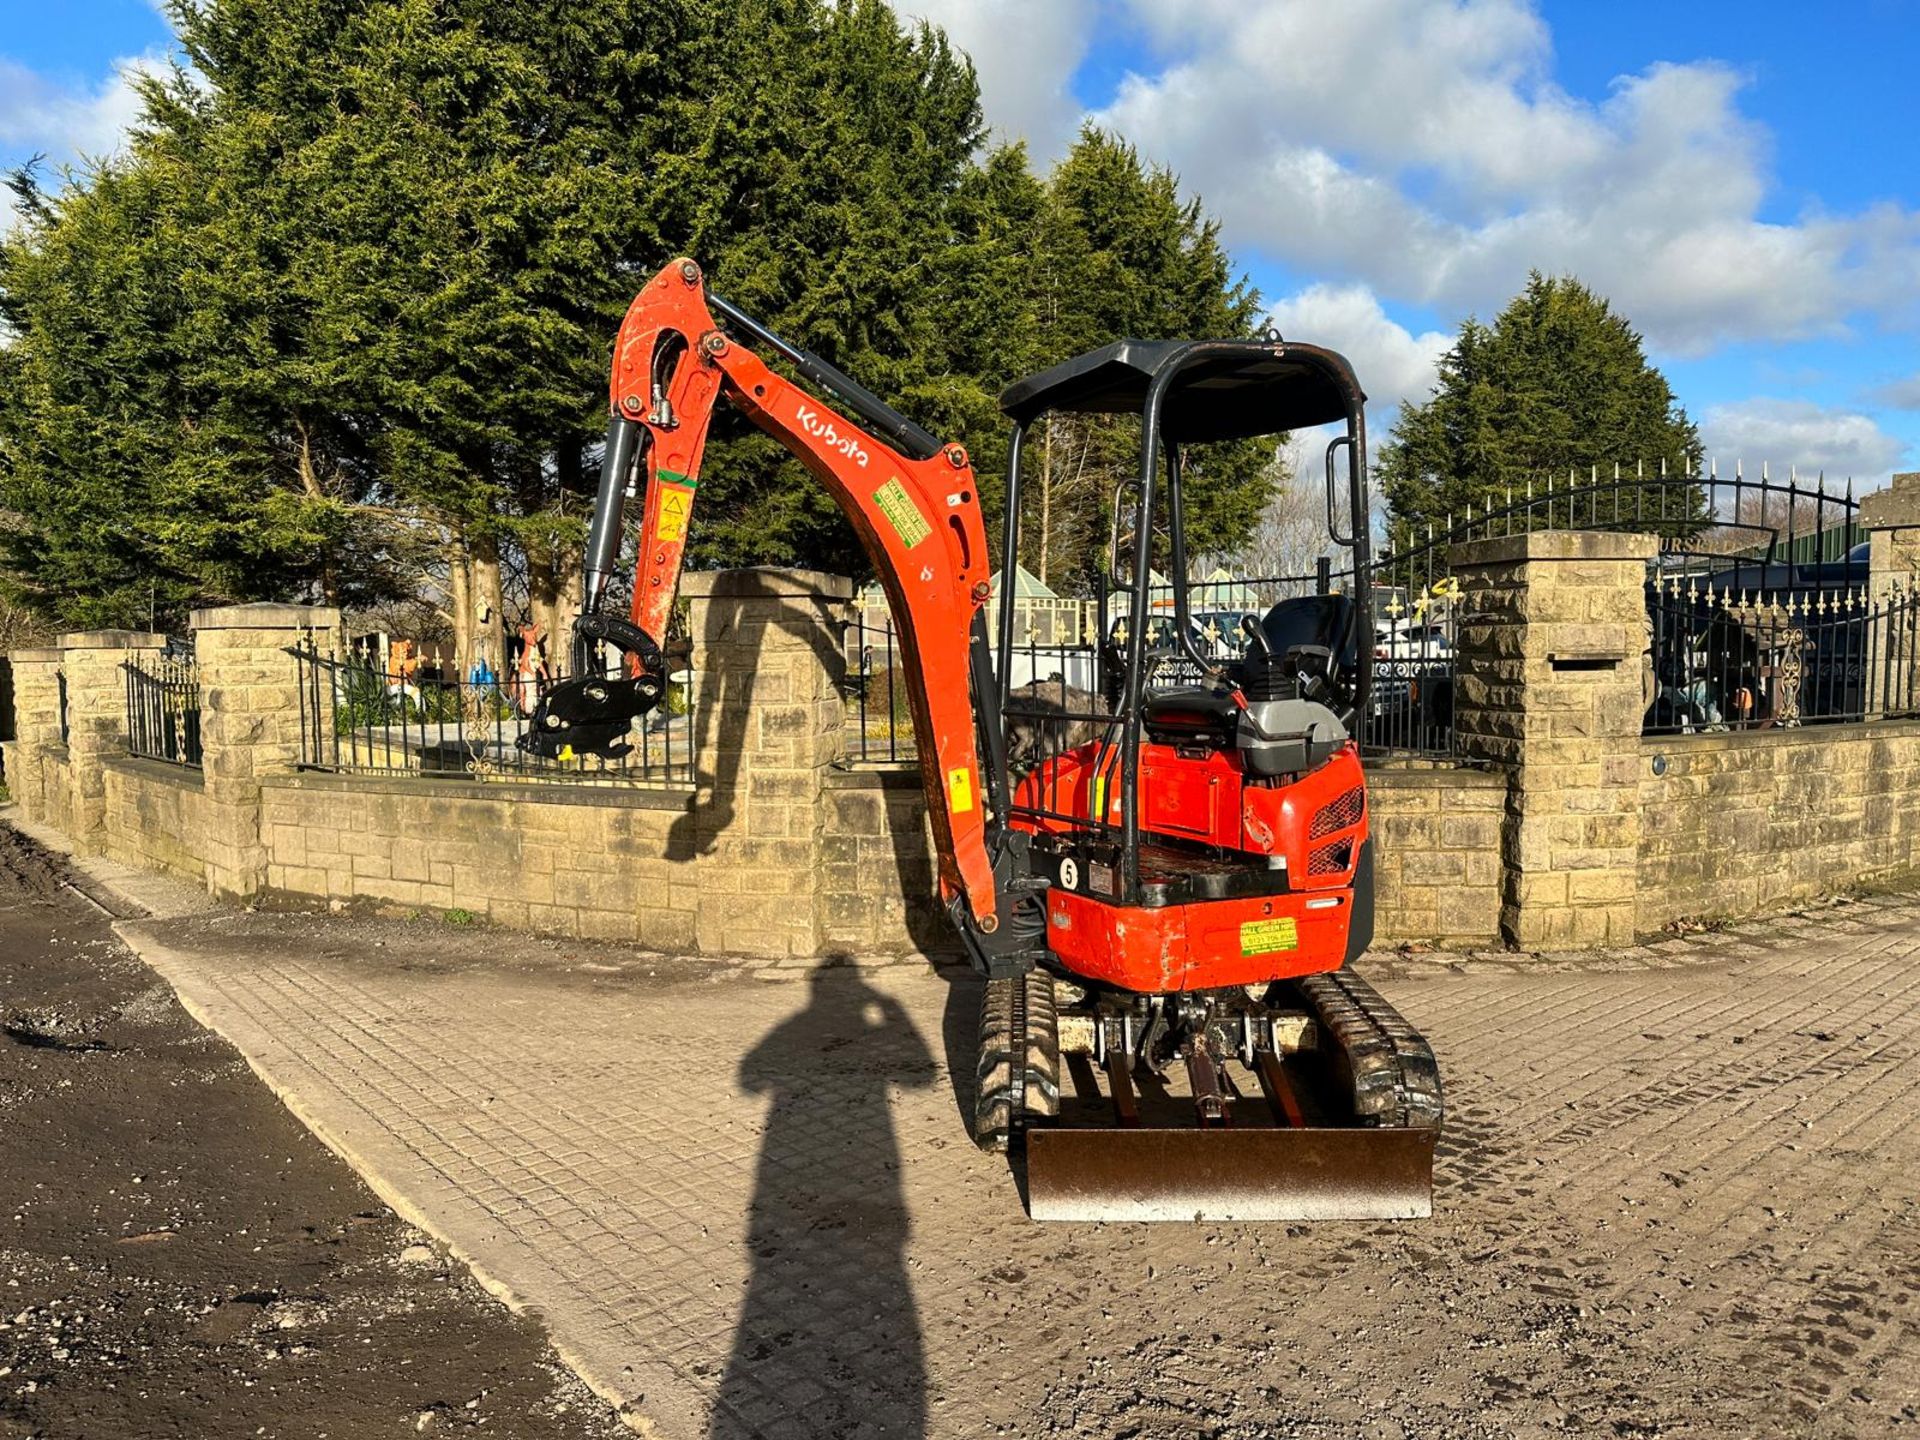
(828, 1338)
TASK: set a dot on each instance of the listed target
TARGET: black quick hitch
(592, 714)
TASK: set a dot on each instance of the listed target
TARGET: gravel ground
(179, 1257)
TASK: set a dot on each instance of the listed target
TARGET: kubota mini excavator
(1154, 906)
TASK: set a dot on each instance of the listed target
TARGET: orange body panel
(1315, 824)
(1209, 799)
(1198, 946)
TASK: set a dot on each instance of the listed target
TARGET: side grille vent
(1341, 814)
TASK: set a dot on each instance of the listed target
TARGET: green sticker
(905, 517)
(674, 477)
(1263, 937)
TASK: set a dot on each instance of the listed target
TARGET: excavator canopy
(1255, 387)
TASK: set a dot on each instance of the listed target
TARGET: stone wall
(597, 863)
(1738, 824)
(1567, 830)
(156, 816)
(1436, 838)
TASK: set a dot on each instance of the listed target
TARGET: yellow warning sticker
(960, 790)
(676, 504)
(905, 517)
(1263, 937)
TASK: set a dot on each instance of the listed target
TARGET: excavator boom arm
(918, 516)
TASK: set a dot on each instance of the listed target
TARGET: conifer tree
(1558, 383)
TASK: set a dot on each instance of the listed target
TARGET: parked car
(1412, 683)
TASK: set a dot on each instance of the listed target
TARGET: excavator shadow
(722, 734)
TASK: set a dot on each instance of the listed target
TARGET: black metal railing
(1725, 659)
(163, 708)
(880, 722)
(357, 719)
(1061, 695)
(1736, 518)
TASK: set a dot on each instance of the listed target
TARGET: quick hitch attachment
(592, 714)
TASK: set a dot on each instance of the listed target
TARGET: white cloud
(1394, 365)
(1899, 394)
(38, 115)
(65, 125)
(1025, 54)
(1814, 438)
(1424, 150)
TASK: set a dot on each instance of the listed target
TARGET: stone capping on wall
(104, 640)
(159, 772)
(615, 797)
(1835, 735)
(756, 582)
(1554, 545)
(268, 616)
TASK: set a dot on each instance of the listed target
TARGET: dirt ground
(1675, 1197)
(179, 1257)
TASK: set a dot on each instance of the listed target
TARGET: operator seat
(1297, 678)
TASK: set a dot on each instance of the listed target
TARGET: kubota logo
(823, 431)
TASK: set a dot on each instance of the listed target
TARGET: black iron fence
(358, 719)
(1759, 613)
(1061, 694)
(1723, 659)
(163, 708)
(1733, 519)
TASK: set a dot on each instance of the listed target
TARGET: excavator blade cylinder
(1228, 1174)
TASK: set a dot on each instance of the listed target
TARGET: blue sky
(1741, 179)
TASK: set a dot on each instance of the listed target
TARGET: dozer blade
(1227, 1174)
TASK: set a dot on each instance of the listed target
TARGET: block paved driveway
(1676, 1195)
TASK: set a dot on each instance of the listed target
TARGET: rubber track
(1017, 1016)
(1396, 1081)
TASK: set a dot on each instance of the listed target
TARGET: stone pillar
(250, 723)
(96, 725)
(1552, 626)
(37, 740)
(770, 720)
(1891, 518)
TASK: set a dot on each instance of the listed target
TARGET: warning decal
(905, 517)
(676, 504)
(960, 790)
(1263, 937)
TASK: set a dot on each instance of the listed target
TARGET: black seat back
(1306, 622)
(1322, 620)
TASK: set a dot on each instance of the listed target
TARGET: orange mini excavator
(1162, 911)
